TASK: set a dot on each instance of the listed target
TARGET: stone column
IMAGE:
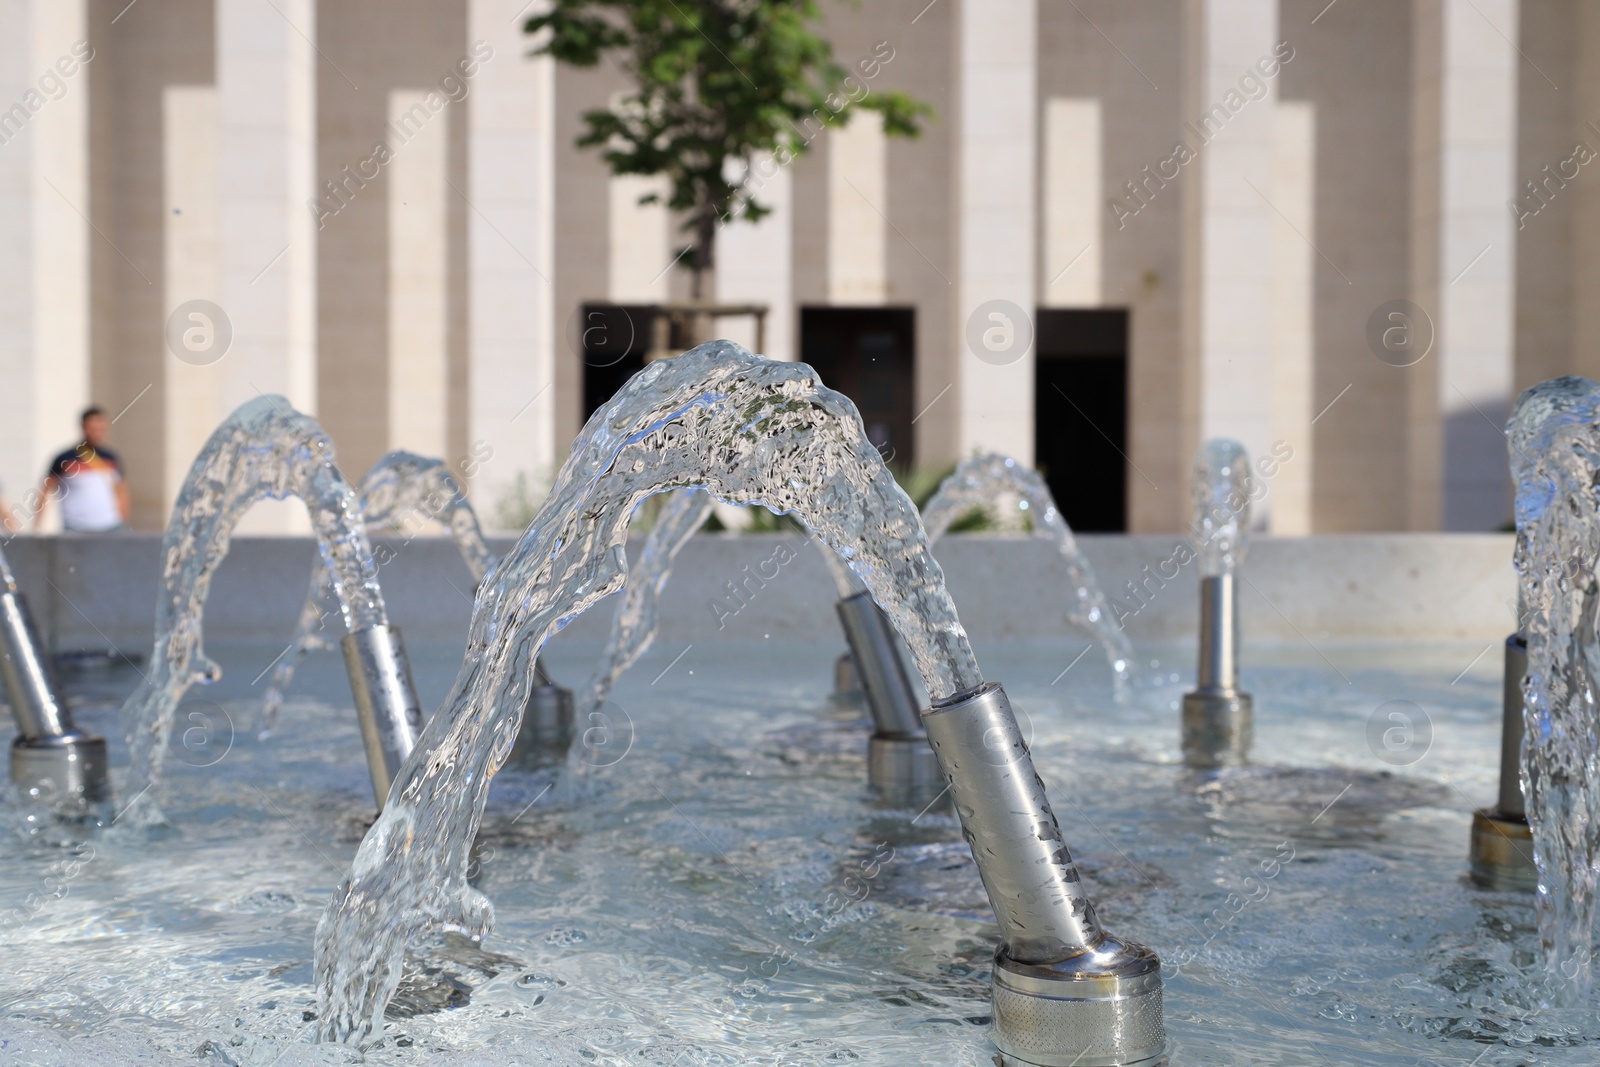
(639, 240)
(858, 208)
(1464, 131)
(994, 221)
(418, 281)
(266, 103)
(44, 238)
(1293, 326)
(1228, 224)
(755, 263)
(1073, 204)
(511, 260)
(191, 271)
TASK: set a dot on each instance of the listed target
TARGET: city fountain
(714, 900)
(748, 431)
(267, 449)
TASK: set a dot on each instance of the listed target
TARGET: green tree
(717, 86)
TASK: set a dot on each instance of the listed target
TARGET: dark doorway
(869, 355)
(613, 340)
(1081, 415)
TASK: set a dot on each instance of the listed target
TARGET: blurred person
(87, 479)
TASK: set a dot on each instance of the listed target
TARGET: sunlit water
(748, 430)
(1555, 457)
(983, 481)
(1220, 492)
(263, 449)
(710, 901)
(633, 626)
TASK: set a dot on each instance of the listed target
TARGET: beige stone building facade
(1350, 232)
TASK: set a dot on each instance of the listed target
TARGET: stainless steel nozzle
(901, 767)
(1217, 716)
(1501, 854)
(386, 701)
(51, 758)
(546, 730)
(1065, 991)
(891, 700)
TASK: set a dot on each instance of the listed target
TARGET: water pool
(723, 893)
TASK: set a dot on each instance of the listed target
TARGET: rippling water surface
(725, 895)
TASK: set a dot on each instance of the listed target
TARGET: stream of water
(982, 480)
(1554, 437)
(264, 449)
(1220, 487)
(401, 489)
(748, 430)
(634, 625)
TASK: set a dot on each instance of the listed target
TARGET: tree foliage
(720, 87)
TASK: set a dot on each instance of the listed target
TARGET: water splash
(634, 625)
(748, 430)
(1221, 486)
(1554, 436)
(979, 482)
(401, 489)
(264, 449)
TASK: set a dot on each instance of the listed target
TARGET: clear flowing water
(634, 625)
(401, 491)
(1555, 460)
(749, 431)
(1221, 486)
(727, 894)
(982, 480)
(845, 580)
(265, 449)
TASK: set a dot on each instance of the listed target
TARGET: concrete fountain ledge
(95, 591)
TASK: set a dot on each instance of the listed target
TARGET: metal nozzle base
(1217, 729)
(65, 767)
(1101, 1008)
(1502, 852)
(546, 731)
(904, 773)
